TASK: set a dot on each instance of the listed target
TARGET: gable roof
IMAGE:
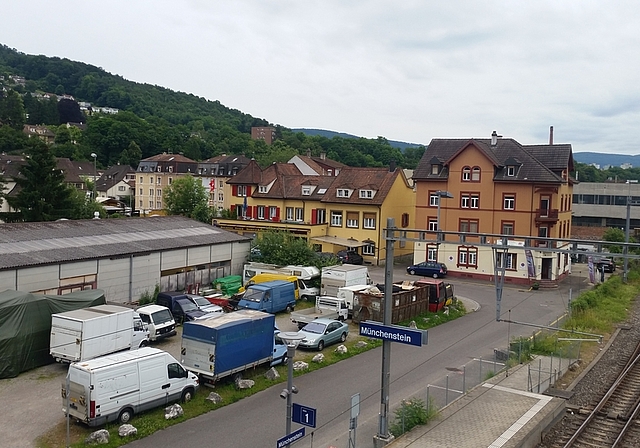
(378, 179)
(112, 176)
(249, 175)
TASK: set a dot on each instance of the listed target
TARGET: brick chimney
(550, 135)
(494, 138)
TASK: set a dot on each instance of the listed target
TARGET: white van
(159, 320)
(117, 386)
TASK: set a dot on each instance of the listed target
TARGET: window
(321, 216)
(159, 169)
(260, 211)
(343, 193)
(475, 201)
(435, 169)
(263, 189)
(170, 180)
(273, 212)
(369, 220)
(369, 249)
(508, 228)
(466, 174)
(141, 203)
(151, 180)
(220, 197)
(511, 171)
(475, 174)
(150, 191)
(510, 261)
(352, 219)
(242, 190)
(336, 219)
(432, 253)
(299, 214)
(151, 204)
(289, 213)
(306, 191)
(121, 188)
(171, 169)
(465, 201)
(509, 202)
(468, 256)
(141, 179)
(158, 192)
(175, 370)
(141, 192)
(158, 204)
(468, 225)
(159, 180)
(433, 199)
(366, 194)
(432, 224)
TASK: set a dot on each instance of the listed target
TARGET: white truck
(88, 333)
(339, 276)
(117, 386)
(329, 307)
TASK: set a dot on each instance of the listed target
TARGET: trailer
(409, 301)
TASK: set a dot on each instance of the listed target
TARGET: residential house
(499, 186)
(118, 182)
(157, 172)
(39, 131)
(266, 133)
(320, 166)
(215, 172)
(333, 212)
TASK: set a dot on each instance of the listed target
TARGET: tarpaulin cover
(25, 326)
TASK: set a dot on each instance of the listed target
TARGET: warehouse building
(124, 257)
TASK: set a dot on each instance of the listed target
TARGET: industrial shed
(125, 257)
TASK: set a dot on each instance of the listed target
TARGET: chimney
(308, 152)
(392, 165)
(494, 138)
(323, 155)
(550, 135)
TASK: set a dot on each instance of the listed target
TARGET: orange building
(495, 186)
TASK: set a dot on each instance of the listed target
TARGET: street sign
(290, 438)
(303, 415)
(355, 405)
(393, 333)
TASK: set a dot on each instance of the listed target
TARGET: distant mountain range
(606, 159)
(331, 134)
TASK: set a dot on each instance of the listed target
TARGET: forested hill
(153, 119)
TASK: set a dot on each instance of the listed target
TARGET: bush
(411, 413)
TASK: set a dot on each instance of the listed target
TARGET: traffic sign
(393, 333)
(290, 438)
(303, 415)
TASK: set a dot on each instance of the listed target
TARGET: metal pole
(383, 428)
(291, 353)
(626, 235)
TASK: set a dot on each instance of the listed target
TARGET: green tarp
(25, 326)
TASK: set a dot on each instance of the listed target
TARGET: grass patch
(429, 320)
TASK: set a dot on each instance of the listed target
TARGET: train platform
(499, 413)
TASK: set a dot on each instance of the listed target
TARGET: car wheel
(125, 416)
(412, 272)
(284, 360)
(435, 275)
(144, 344)
(320, 345)
(289, 308)
(343, 337)
(187, 395)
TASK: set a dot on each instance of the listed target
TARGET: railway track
(614, 421)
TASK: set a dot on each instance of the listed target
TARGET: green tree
(131, 155)
(43, 194)
(186, 196)
(284, 248)
(12, 109)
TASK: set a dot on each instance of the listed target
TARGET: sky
(402, 69)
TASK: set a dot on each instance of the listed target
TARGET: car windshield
(160, 317)
(187, 305)
(314, 327)
(252, 295)
(201, 301)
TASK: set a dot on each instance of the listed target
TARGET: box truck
(87, 333)
(117, 386)
(229, 344)
(271, 297)
(339, 276)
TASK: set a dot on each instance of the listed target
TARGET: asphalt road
(259, 421)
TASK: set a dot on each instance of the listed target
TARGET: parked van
(301, 290)
(302, 272)
(117, 386)
(182, 308)
(440, 293)
(270, 297)
(159, 321)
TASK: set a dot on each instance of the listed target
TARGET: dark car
(350, 257)
(607, 263)
(428, 269)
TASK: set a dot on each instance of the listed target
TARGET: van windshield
(161, 317)
(187, 305)
(252, 295)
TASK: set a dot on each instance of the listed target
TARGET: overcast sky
(406, 70)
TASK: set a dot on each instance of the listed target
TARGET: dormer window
(435, 169)
(159, 169)
(511, 171)
(263, 189)
(366, 194)
(343, 193)
(306, 191)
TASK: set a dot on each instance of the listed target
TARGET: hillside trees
(12, 109)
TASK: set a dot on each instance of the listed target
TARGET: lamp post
(627, 229)
(291, 339)
(441, 194)
(95, 157)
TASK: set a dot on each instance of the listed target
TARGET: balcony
(546, 216)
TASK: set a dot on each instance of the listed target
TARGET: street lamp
(291, 339)
(441, 194)
(95, 157)
(627, 226)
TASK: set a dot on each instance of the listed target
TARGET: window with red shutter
(234, 190)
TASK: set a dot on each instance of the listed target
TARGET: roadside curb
(469, 304)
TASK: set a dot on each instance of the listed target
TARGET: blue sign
(392, 333)
(304, 415)
(290, 438)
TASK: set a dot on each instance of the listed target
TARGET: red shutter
(234, 190)
(314, 216)
(233, 207)
(278, 213)
(248, 190)
(255, 212)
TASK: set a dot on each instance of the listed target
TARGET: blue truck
(231, 343)
(270, 297)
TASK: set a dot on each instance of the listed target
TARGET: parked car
(322, 332)
(607, 263)
(204, 305)
(350, 257)
(428, 269)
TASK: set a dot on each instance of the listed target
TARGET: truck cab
(270, 297)
(159, 321)
(182, 308)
